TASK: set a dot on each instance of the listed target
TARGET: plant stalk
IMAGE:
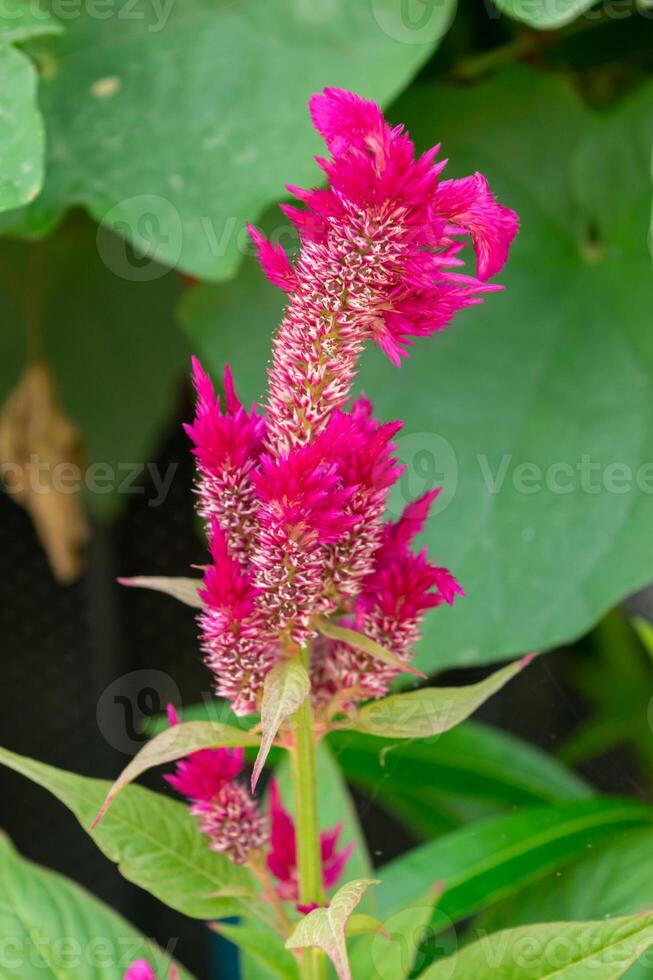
(309, 858)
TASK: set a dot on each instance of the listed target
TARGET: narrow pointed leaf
(602, 950)
(174, 743)
(50, 928)
(285, 688)
(154, 841)
(494, 858)
(431, 710)
(365, 643)
(325, 928)
(184, 589)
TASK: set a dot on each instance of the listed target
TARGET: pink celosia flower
(141, 970)
(395, 597)
(227, 812)
(379, 250)
(282, 856)
(295, 504)
(234, 633)
(227, 446)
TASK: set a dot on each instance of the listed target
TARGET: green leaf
(615, 878)
(545, 14)
(154, 841)
(430, 710)
(24, 19)
(263, 946)
(174, 743)
(21, 129)
(182, 130)
(567, 950)
(472, 761)
(186, 590)
(325, 928)
(491, 409)
(486, 862)
(392, 950)
(52, 928)
(285, 687)
(116, 352)
(365, 643)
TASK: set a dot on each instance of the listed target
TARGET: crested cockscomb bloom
(282, 856)
(226, 811)
(227, 447)
(390, 608)
(379, 260)
(295, 501)
(234, 632)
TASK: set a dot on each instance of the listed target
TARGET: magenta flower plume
(227, 446)
(282, 856)
(140, 970)
(227, 812)
(379, 261)
(234, 634)
(294, 502)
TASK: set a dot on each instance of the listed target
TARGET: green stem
(309, 858)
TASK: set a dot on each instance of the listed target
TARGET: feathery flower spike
(380, 246)
(282, 856)
(227, 812)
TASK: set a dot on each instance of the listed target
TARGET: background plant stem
(309, 860)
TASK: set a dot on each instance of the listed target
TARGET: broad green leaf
(154, 841)
(185, 120)
(602, 950)
(21, 129)
(174, 743)
(265, 947)
(430, 710)
(614, 878)
(116, 353)
(412, 779)
(525, 428)
(21, 20)
(545, 14)
(184, 589)
(286, 687)
(365, 643)
(488, 861)
(325, 928)
(54, 929)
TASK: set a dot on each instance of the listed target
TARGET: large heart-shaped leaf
(52, 928)
(154, 841)
(175, 123)
(21, 129)
(526, 408)
(602, 950)
(485, 862)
